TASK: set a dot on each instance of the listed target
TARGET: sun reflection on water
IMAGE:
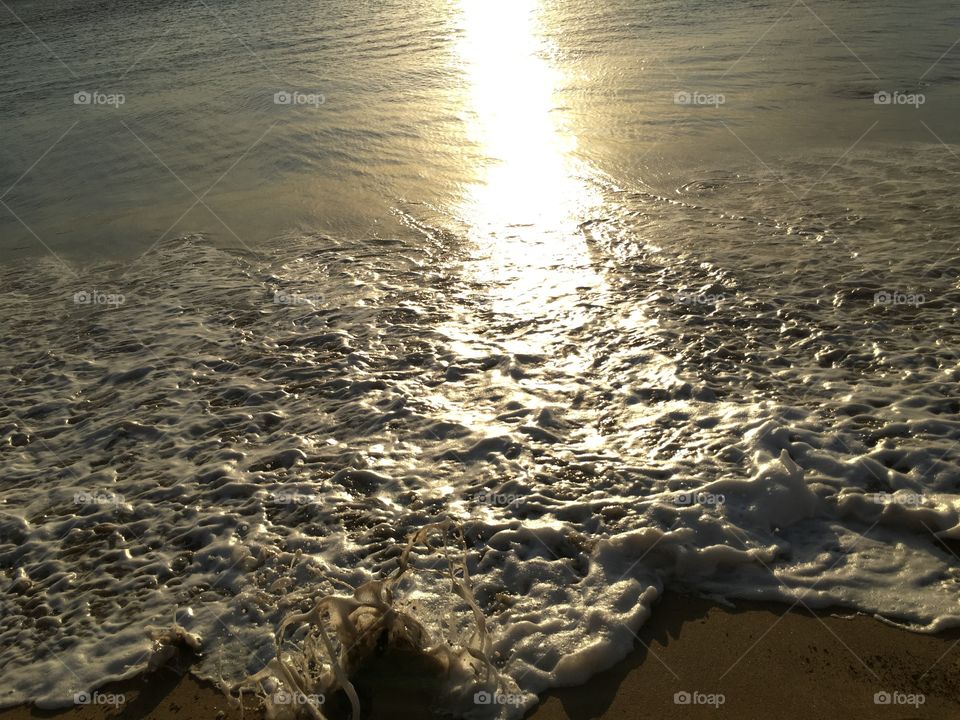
(531, 194)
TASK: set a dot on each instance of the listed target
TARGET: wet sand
(764, 660)
(768, 663)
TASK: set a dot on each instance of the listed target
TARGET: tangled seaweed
(340, 633)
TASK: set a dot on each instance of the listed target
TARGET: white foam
(201, 462)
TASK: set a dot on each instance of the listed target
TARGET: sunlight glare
(523, 212)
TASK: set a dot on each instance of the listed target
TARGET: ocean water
(498, 321)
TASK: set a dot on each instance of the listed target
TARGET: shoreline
(752, 661)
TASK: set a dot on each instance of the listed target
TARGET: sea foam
(505, 478)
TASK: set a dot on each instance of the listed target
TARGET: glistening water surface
(425, 101)
(633, 296)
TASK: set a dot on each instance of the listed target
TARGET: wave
(708, 395)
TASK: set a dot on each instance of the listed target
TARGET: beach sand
(765, 660)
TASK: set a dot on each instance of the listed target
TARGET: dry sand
(766, 662)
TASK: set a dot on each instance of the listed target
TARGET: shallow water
(421, 102)
(617, 363)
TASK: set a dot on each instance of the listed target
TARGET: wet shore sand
(757, 660)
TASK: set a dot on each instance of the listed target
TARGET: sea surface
(480, 321)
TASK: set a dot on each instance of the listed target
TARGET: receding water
(426, 102)
(630, 296)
